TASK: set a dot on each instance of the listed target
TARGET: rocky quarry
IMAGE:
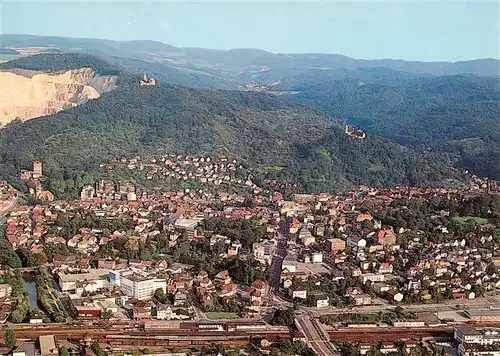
(27, 94)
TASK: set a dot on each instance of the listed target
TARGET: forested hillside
(262, 130)
(458, 115)
(51, 62)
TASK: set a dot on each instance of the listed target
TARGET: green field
(477, 220)
(216, 315)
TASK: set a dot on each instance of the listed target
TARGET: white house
(298, 292)
(374, 277)
(290, 266)
(322, 301)
(317, 257)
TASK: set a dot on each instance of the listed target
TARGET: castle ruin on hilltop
(145, 81)
(355, 132)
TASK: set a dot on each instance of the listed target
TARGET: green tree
(284, 317)
(9, 338)
(478, 290)
(399, 310)
(21, 310)
(63, 351)
(159, 295)
(108, 314)
(97, 349)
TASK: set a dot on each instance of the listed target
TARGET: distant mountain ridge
(242, 65)
(260, 130)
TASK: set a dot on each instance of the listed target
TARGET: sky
(435, 30)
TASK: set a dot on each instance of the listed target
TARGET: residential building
(222, 278)
(380, 287)
(5, 290)
(263, 251)
(180, 299)
(335, 245)
(165, 312)
(298, 292)
(317, 257)
(374, 277)
(321, 301)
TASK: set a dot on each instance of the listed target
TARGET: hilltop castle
(33, 180)
(355, 132)
(145, 81)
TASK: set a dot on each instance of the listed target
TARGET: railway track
(133, 336)
(389, 334)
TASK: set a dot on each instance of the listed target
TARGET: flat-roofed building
(483, 315)
(48, 345)
(467, 334)
(141, 287)
(188, 224)
(475, 342)
(263, 251)
(335, 245)
(26, 348)
(84, 308)
(98, 277)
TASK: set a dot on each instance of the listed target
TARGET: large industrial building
(141, 287)
(95, 279)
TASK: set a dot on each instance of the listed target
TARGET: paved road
(316, 337)
(277, 260)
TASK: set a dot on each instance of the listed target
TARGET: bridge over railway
(316, 336)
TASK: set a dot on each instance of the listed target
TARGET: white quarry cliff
(26, 94)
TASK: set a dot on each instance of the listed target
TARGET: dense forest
(51, 62)
(258, 129)
(456, 115)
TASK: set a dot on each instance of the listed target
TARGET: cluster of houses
(124, 289)
(145, 290)
(224, 288)
(151, 214)
(483, 185)
(118, 285)
(333, 236)
(216, 171)
(339, 237)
